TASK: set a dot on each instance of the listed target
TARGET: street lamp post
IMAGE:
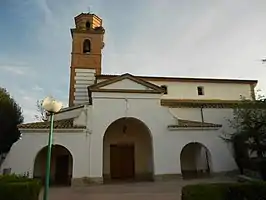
(51, 106)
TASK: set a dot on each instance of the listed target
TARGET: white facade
(167, 145)
(224, 91)
(86, 145)
(182, 89)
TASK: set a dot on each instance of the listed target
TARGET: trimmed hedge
(254, 164)
(14, 187)
(225, 191)
(204, 192)
(13, 178)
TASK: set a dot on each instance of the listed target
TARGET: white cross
(89, 9)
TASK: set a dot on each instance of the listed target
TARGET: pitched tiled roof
(71, 108)
(184, 79)
(59, 124)
(193, 124)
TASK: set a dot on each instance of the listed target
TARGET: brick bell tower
(86, 56)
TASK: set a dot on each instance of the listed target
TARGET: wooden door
(122, 165)
(61, 170)
(115, 162)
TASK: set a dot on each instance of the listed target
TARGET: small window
(164, 87)
(88, 25)
(86, 46)
(200, 90)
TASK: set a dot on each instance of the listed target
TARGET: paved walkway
(167, 190)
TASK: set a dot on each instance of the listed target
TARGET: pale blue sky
(199, 38)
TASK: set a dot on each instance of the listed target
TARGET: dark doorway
(195, 161)
(127, 153)
(61, 170)
(61, 165)
(122, 161)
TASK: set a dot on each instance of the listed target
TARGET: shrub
(247, 191)
(204, 192)
(260, 166)
(20, 190)
(13, 187)
(13, 178)
(225, 191)
(255, 164)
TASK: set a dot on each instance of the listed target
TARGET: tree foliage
(42, 116)
(10, 117)
(249, 135)
(249, 123)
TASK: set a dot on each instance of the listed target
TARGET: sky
(183, 38)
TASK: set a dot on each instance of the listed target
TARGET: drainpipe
(207, 159)
(88, 135)
(201, 113)
(89, 166)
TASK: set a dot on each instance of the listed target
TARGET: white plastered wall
(167, 145)
(22, 155)
(188, 90)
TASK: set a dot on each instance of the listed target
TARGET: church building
(130, 128)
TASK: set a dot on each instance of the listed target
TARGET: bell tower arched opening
(87, 46)
(88, 25)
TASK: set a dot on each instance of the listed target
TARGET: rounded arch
(86, 46)
(195, 161)
(128, 150)
(88, 25)
(61, 165)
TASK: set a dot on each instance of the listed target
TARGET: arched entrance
(127, 151)
(195, 161)
(61, 165)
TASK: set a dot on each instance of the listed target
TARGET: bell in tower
(86, 46)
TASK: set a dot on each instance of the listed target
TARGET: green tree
(10, 117)
(249, 125)
(250, 122)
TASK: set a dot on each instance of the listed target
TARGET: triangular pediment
(126, 83)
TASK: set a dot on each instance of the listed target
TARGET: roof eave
(84, 14)
(192, 128)
(126, 91)
(55, 130)
(218, 80)
(175, 103)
